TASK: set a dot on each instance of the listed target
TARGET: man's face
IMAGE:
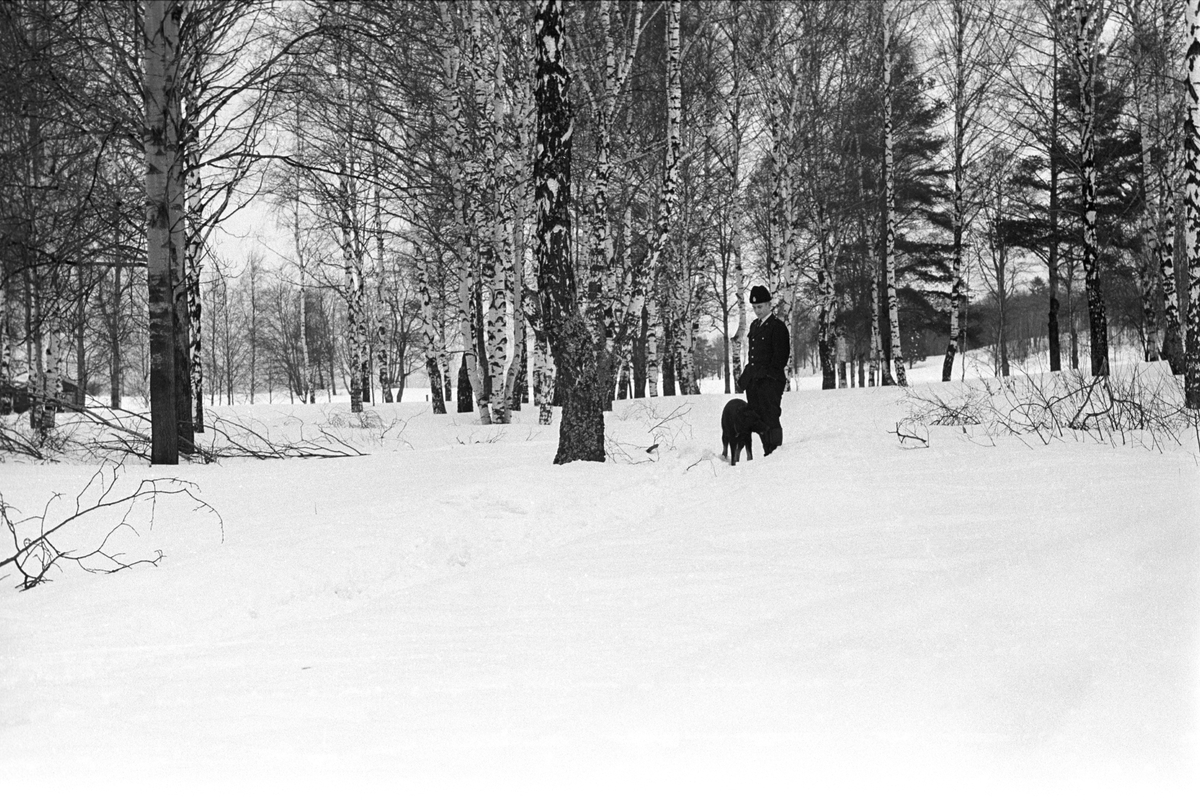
(761, 310)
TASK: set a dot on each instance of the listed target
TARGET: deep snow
(453, 619)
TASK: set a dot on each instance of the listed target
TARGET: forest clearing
(974, 620)
(379, 349)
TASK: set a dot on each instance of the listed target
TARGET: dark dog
(739, 423)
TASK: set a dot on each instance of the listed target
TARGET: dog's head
(749, 421)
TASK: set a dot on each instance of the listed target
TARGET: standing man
(763, 379)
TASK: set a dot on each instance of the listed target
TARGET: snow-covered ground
(451, 619)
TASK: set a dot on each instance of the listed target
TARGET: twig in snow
(910, 436)
(39, 548)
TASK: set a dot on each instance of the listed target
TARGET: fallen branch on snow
(40, 541)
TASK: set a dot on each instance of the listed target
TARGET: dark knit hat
(759, 294)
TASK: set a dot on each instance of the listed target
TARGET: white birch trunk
(889, 185)
(161, 141)
(1087, 30)
(1191, 373)
(878, 366)
(430, 339)
(383, 302)
(543, 381)
(1172, 326)
(957, 213)
(739, 276)
(464, 245)
(194, 244)
(667, 203)
(652, 327)
(1146, 93)
(5, 355)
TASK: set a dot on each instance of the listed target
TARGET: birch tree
(581, 432)
(668, 202)
(431, 336)
(604, 93)
(464, 245)
(1147, 80)
(1191, 142)
(1089, 20)
(889, 205)
(161, 48)
(971, 53)
(1153, 30)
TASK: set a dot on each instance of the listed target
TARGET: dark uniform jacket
(770, 347)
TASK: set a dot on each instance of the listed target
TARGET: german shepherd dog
(739, 422)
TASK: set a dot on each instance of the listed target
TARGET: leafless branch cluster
(664, 432)
(1136, 407)
(111, 434)
(44, 541)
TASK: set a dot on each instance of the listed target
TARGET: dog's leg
(750, 448)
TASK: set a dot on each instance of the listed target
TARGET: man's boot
(773, 438)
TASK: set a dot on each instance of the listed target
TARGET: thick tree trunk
(161, 48)
(581, 433)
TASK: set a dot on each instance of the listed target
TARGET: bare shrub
(663, 432)
(1138, 406)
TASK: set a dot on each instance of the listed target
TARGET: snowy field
(452, 620)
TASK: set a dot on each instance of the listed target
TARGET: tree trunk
(889, 186)
(382, 301)
(652, 327)
(193, 258)
(6, 399)
(81, 370)
(1146, 91)
(581, 433)
(490, 224)
(466, 393)
(1172, 326)
(463, 247)
(429, 335)
(115, 373)
(1055, 173)
(957, 282)
(1191, 373)
(1085, 45)
(179, 281)
(161, 48)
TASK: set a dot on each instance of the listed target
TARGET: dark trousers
(765, 395)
